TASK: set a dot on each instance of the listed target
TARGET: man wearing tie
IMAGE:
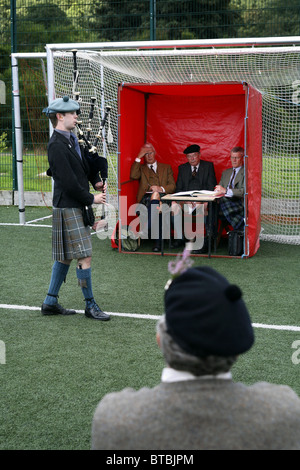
(232, 186)
(155, 180)
(195, 174)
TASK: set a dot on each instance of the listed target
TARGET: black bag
(88, 216)
(235, 243)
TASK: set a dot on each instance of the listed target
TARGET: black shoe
(96, 313)
(199, 252)
(56, 309)
(177, 243)
(202, 250)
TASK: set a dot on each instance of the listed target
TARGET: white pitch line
(41, 218)
(117, 314)
(27, 225)
(154, 317)
(276, 327)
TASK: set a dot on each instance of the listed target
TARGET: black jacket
(205, 178)
(71, 174)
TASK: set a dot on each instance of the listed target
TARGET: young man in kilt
(71, 239)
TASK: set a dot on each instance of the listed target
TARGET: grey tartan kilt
(71, 239)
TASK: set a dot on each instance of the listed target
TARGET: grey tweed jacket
(204, 414)
(239, 184)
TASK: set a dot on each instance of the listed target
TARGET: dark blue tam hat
(206, 315)
(192, 148)
(62, 105)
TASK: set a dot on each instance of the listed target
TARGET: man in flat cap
(196, 174)
(197, 405)
(71, 238)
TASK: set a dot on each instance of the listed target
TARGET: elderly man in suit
(71, 238)
(197, 405)
(195, 174)
(232, 186)
(155, 180)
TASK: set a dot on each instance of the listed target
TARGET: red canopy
(217, 117)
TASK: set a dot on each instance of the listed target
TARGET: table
(212, 213)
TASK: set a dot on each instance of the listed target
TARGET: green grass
(33, 168)
(57, 369)
(281, 177)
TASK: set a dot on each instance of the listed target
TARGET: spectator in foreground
(197, 405)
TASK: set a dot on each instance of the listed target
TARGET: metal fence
(27, 25)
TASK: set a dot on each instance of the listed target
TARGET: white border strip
(153, 317)
(117, 314)
(233, 42)
(27, 224)
(195, 52)
(41, 218)
(276, 327)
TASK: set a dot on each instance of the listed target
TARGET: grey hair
(178, 359)
(238, 150)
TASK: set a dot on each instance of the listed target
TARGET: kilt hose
(71, 239)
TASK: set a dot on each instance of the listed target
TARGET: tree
(43, 23)
(175, 19)
(268, 18)
(200, 19)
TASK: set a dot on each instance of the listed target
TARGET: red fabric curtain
(216, 117)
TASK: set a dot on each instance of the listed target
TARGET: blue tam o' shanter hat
(62, 105)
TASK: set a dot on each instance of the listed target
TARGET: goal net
(272, 70)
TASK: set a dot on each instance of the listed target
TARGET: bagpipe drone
(97, 164)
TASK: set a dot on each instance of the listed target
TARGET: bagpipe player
(72, 172)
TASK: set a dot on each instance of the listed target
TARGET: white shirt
(154, 166)
(155, 170)
(193, 167)
(229, 192)
(172, 375)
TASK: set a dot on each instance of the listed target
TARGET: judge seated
(195, 174)
(155, 180)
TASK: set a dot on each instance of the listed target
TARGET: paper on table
(194, 193)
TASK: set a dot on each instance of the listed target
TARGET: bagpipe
(97, 164)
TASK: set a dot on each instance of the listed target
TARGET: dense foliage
(39, 22)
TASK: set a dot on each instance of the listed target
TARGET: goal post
(17, 133)
(269, 65)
